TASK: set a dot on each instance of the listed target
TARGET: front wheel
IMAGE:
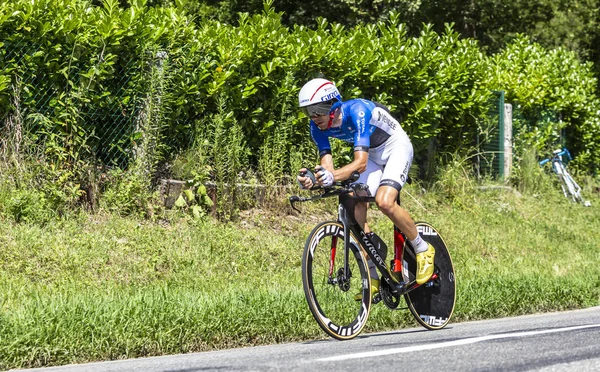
(432, 304)
(329, 288)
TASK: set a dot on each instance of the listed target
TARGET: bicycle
(569, 187)
(331, 274)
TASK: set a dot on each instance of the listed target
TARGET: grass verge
(104, 287)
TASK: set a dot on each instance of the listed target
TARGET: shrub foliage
(66, 65)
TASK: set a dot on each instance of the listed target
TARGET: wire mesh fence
(51, 96)
(107, 112)
(490, 140)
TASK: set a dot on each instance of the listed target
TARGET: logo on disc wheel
(433, 321)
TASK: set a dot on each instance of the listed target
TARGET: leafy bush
(140, 85)
(35, 191)
(127, 193)
(28, 206)
(555, 94)
(258, 66)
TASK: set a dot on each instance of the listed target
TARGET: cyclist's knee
(386, 205)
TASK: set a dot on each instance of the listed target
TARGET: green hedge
(246, 77)
(556, 94)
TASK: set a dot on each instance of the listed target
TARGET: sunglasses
(317, 109)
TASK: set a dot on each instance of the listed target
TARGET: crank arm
(404, 288)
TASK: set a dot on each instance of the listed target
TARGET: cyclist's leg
(397, 156)
(386, 202)
(360, 214)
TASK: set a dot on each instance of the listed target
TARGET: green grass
(104, 287)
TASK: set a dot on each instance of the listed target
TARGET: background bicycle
(569, 187)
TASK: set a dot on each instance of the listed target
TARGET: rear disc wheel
(431, 304)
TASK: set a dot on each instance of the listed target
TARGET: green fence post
(500, 169)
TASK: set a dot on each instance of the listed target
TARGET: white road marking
(465, 341)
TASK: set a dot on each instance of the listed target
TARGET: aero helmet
(317, 91)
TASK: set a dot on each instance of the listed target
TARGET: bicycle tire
(576, 193)
(431, 304)
(332, 304)
(558, 170)
(564, 187)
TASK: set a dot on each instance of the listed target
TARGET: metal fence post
(500, 169)
(507, 140)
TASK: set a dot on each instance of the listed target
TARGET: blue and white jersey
(364, 124)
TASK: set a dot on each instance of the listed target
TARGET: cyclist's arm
(360, 115)
(358, 164)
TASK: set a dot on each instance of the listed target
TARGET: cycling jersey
(364, 123)
(370, 127)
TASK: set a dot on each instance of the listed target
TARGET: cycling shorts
(388, 164)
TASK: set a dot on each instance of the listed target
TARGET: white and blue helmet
(318, 91)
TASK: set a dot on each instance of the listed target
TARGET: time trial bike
(335, 267)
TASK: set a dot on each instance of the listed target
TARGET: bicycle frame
(347, 204)
(572, 186)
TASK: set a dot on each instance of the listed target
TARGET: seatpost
(398, 249)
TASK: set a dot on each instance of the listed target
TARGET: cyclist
(382, 155)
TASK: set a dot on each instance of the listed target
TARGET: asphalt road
(565, 341)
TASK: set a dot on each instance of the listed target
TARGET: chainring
(390, 300)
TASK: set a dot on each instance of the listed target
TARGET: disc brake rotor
(342, 281)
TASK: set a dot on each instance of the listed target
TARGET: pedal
(435, 279)
(376, 299)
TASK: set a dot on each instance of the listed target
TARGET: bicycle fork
(341, 277)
